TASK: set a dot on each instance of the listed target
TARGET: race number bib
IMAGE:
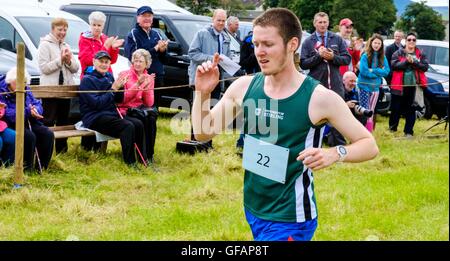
(265, 159)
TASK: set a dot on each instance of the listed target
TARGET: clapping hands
(66, 56)
(113, 42)
(326, 53)
(162, 45)
(144, 80)
(119, 83)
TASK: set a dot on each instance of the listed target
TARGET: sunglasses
(411, 40)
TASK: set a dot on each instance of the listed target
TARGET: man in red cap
(345, 31)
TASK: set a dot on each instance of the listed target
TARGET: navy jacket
(137, 38)
(94, 105)
(10, 101)
(318, 69)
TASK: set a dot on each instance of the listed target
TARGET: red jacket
(399, 64)
(356, 55)
(89, 46)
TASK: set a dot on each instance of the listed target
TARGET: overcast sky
(435, 2)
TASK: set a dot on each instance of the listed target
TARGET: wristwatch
(342, 152)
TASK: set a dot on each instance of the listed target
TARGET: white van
(436, 52)
(28, 21)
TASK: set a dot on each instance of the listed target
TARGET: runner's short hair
(284, 20)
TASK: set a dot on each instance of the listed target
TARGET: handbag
(142, 112)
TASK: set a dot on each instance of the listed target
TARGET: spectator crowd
(124, 108)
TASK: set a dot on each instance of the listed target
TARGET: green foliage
(233, 7)
(199, 7)
(270, 3)
(204, 7)
(400, 195)
(304, 9)
(369, 16)
(422, 19)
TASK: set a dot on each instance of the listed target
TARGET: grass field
(403, 194)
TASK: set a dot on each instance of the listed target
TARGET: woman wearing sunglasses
(409, 66)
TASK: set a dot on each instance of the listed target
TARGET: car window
(441, 57)
(163, 30)
(37, 27)
(429, 52)
(83, 15)
(120, 25)
(188, 28)
(161, 33)
(6, 30)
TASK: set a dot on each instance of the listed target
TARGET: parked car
(179, 28)
(384, 100)
(436, 94)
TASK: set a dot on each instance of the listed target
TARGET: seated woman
(99, 112)
(7, 139)
(139, 97)
(36, 135)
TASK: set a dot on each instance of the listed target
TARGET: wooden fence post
(20, 121)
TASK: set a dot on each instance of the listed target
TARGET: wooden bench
(61, 92)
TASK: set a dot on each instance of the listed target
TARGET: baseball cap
(102, 54)
(144, 9)
(346, 22)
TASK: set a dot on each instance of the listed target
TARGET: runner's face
(270, 49)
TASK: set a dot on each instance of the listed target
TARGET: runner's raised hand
(207, 75)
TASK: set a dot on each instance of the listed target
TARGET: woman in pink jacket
(139, 97)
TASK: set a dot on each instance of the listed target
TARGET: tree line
(369, 16)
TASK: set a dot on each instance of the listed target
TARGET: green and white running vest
(285, 123)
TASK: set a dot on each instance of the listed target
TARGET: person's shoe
(409, 136)
(134, 166)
